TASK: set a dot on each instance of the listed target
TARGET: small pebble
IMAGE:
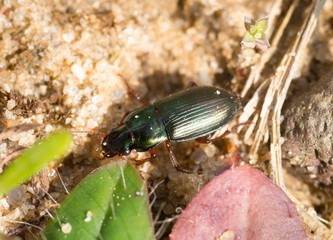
(68, 121)
(78, 71)
(26, 139)
(48, 128)
(68, 37)
(3, 147)
(4, 203)
(9, 115)
(15, 195)
(11, 104)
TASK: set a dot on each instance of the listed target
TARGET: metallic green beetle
(187, 115)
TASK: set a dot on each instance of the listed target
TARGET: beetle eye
(109, 154)
(127, 152)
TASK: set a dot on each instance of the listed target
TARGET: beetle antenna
(133, 92)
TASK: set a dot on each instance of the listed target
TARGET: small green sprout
(34, 159)
(255, 33)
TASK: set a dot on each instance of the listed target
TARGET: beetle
(193, 114)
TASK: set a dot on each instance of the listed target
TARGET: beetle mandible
(191, 114)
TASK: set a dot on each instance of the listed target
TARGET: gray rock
(308, 131)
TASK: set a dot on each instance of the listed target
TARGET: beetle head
(117, 142)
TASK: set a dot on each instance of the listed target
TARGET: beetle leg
(153, 154)
(173, 159)
(208, 139)
(205, 139)
(227, 132)
(122, 120)
(135, 93)
(191, 85)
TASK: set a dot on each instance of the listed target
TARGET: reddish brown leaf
(242, 201)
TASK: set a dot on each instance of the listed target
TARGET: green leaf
(34, 159)
(255, 33)
(248, 37)
(261, 25)
(108, 204)
(248, 22)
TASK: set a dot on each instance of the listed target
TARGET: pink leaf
(241, 201)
